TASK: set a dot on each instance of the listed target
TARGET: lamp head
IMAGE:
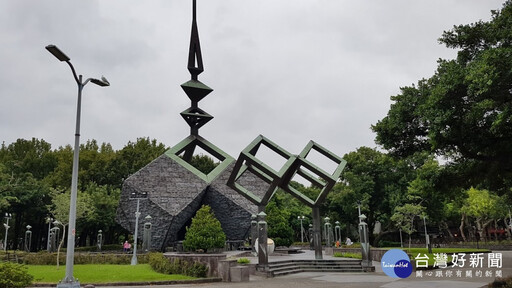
(57, 53)
(101, 82)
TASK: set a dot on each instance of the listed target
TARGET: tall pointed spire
(195, 90)
(195, 60)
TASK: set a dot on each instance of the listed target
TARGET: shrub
(501, 283)
(243, 261)
(205, 232)
(160, 264)
(14, 275)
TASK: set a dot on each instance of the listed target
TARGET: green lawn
(101, 273)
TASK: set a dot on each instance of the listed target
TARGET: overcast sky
(291, 70)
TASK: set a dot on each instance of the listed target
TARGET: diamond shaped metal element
(247, 162)
(323, 179)
(187, 147)
(196, 117)
(196, 90)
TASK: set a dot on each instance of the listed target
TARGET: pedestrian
(126, 246)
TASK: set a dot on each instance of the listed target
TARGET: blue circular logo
(396, 263)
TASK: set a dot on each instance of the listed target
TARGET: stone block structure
(174, 194)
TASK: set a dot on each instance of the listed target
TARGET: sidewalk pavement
(375, 279)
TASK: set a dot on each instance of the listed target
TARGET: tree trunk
(379, 236)
(484, 229)
(445, 227)
(60, 244)
(507, 229)
(495, 230)
(461, 227)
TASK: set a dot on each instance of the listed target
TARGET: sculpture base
(74, 284)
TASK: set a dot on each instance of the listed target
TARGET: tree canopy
(464, 111)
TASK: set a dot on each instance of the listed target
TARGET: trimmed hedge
(45, 258)
(160, 264)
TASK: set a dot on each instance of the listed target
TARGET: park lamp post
(301, 218)
(49, 220)
(359, 209)
(69, 280)
(138, 197)
(427, 238)
(6, 225)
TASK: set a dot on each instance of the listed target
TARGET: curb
(145, 283)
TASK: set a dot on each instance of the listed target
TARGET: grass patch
(101, 273)
(348, 255)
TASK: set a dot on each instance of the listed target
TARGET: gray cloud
(290, 70)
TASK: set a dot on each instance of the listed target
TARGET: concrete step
(296, 266)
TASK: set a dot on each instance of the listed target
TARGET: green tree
(104, 200)
(203, 163)
(464, 111)
(483, 206)
(278, 221)
(404, 217)
(377, 180)
(132, 158)
(29, 156)
(60, 210)
(205, 232)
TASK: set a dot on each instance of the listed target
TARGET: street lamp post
(6, 225)
(359, 209)
(69, 280)
(137, 215)
(49, 220)
(301, 218)
(427, 238)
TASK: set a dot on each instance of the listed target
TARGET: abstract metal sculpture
(175, 188)
(235, 190)
(295, 164)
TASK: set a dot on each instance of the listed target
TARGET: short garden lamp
(6, 225)
(28, 238)
(99, 239)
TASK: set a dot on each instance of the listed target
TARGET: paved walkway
(375, 279)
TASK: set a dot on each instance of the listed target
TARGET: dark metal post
(317, 234)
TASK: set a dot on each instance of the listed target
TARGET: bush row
(161, 264)
(107, 247)
(45, 258)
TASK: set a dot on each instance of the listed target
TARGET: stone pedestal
(239, 273)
